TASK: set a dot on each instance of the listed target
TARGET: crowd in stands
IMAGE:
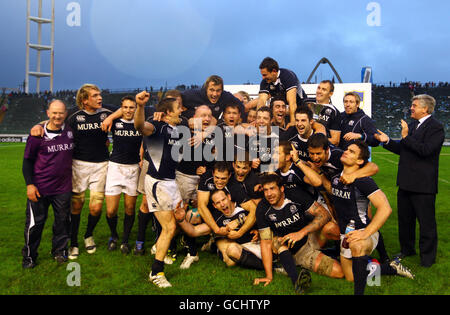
(390, 103)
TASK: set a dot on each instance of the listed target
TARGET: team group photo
(286, 186)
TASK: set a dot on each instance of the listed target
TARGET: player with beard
(351, 203)
(160, 138)
(287, 227)
(123, 173)
(228, 216)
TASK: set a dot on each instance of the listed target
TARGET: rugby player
(287, 226)
(281, 82)
(351, 203)
(329, 115)
(227, 215)
(47, 169)
(355, 124)
(90, 162)
(123, 174)
(161, 189)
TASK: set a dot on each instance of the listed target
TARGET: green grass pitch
(113, 273)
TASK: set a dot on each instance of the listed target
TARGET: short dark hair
(277, 98)
(172, 94)
(286, 146)
(364, 153)
(166, 105)
(215, 191)
(128, 98)
(267, 178)
(330, 83)
(231, 105)
(270, 64)
(265, 109)
(215, 79)
(222, 166)
(304, 109)
(318, 140)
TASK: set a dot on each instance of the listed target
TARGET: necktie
(414, 126)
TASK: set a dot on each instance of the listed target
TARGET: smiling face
(128, 109)
(323, 93)
(221, 178)
(204, 115)
(303, 124)
(351, 104)
(279, 111)
(57, 114)
(417, 110)
(269, 77)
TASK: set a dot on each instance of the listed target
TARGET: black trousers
(414, 206)
(36, 215)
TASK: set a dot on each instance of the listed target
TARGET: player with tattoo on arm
(287, 227)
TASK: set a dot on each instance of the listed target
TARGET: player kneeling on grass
(351, 204)
(241, 251)
(287, 227)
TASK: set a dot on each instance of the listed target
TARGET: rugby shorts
(162, 195)
(347, 253)
(88, 175)
(187, 184)
(122, 178)
(141, 181)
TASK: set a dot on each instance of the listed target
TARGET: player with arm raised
(161, 189)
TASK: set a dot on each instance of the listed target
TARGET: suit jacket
(419, 156)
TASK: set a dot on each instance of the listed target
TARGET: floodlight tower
(39, 46)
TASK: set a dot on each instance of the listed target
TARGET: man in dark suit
(417, 178)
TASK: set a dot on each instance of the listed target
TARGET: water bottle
(350, 227)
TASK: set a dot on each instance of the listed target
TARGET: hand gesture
(405, 128)
(381, 136)
(266, 281)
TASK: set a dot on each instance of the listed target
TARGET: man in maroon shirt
(47, 169)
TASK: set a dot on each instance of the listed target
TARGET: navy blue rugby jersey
(330, 117)
(300, 144)
(159, 147)
(293, 181)
(245, 190)
(229, 143)
(333, 165)
(126, 142)
(286, 81)
(262, 147)
(291, 217)
(351, 201)
(90, 141)
(222, 220)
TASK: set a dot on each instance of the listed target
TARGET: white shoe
(73, 253)
(188, 261)
(159, 280)
(167, 259)
(90, 245)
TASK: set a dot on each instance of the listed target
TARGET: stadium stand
(389, 105)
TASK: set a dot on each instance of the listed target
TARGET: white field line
(396, 163)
